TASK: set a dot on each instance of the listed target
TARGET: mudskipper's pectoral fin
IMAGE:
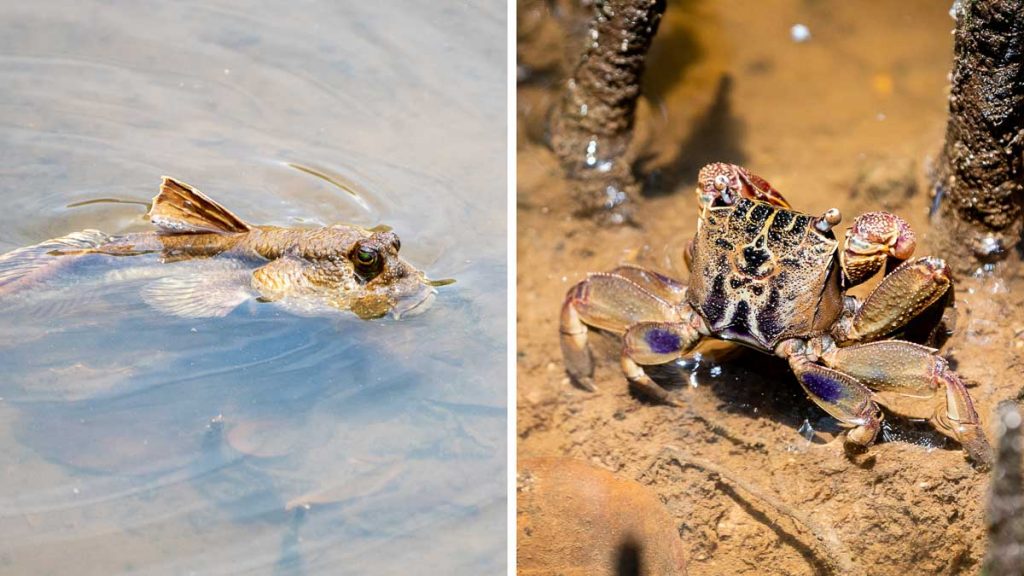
(181, 208)
(278, 277)
(209, 289)
(285, 283)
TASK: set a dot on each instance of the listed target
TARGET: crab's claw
(874, 238)
(721, 184)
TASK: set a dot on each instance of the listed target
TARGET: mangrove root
(592, 127)
(978, 187)
(1006, 501)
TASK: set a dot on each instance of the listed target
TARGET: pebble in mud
(800, 33)
(574, 518)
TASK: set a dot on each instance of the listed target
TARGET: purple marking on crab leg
(662, 341)
(828, 389)
(842, 396)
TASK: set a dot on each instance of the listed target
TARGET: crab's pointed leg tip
(979, 453)
(585, 383)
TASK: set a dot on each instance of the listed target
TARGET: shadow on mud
(717, 136)
(747, 383)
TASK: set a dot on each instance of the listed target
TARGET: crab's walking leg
(911, 380)
(668, 289)
(839, 394)
(901, 296)
(579, 363)
(657, 343)
(609, 302)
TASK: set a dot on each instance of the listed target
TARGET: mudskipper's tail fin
(25, 266)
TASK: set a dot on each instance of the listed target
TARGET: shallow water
(263, 442)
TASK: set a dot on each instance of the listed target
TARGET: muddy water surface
(263, 443)
(848, 118)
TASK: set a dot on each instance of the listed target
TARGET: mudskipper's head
(388, 283)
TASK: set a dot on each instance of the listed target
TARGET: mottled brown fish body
(344, 267)
(172, 247)
(267, 242)
(327, 243)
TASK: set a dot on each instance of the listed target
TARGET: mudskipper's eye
(721, 182)
(366, 257)
(366, 260)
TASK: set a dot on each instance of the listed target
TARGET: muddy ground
(849, 118)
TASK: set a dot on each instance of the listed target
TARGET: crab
(774, 279)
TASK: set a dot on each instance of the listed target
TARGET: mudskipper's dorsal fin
(181, 208)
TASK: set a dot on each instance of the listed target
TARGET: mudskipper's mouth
(414, 302)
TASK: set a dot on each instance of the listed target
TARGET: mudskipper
(306, 271)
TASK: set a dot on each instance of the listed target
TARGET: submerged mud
(752, 473)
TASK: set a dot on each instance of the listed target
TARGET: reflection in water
(261, 442)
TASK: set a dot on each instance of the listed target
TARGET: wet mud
(752, 474)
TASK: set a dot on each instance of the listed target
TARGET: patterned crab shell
(762, 273)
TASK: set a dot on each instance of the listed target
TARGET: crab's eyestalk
(718, 184)
(828, 220)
